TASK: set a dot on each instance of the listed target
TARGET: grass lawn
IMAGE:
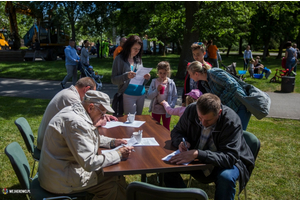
(55, 70)
(276, 174)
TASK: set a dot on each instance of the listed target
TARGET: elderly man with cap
(69, 160)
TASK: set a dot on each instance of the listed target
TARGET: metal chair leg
(245, 193)
(32, 168)
(189, 182)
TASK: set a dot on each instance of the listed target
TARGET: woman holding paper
(124, 69)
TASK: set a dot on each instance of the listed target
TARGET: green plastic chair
(21, 167)
(28, 138)
(144, 191)
(254, 144)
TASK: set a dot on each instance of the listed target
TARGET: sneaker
(62, 85)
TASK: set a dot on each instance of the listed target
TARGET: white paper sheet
(147, 141)
(139, 77)
(135, 124)
(130, 143)
(168, 157)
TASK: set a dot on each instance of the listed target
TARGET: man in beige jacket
(69, 160)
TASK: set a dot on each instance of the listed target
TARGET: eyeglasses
(199, 43)
(97, 106)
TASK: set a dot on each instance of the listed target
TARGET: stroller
(280, 73)
(85, 72)
(231, 70)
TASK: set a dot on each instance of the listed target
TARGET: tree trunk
(191, 7)
(280, 50)
(178, 47)
(73, 30)
(154, 48)
(240, 47)
(266, 49)
(173, 47)
(228, 50)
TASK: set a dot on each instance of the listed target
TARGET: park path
(284, 105)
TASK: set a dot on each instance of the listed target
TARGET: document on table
(139, 77)
(130, 143)
(135, 124)
(168, 157)
(149, 141)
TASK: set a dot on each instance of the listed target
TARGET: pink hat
(194, 93)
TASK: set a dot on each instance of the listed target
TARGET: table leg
(143, 178)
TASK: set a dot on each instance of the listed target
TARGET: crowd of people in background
(212, 119)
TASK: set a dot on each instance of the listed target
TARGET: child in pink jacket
(191, 97)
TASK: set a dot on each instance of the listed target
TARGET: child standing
(191, 97)
(162, 88)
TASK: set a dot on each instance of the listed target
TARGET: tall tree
(191, 35)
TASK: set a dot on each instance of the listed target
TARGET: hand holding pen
(184, 146)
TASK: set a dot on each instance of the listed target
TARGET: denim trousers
(71, 72)
(246, 64)
(225, 180)
(132, 104)
(244, 115)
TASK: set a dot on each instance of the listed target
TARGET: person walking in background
(162, 89)
(290, 55)
(85, 56)
(123, 70)
(297, 55)
(119, 48)
(191, 97)
(72, 59)
(206, 53)
(247, 57)
(212, 54)
(222, 84)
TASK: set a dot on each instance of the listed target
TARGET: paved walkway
(284, 105)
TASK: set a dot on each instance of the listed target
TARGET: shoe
(62, 85)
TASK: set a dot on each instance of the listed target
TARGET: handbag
(117, 104)
(257, 102)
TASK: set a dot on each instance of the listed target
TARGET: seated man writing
(69, 160)
(214, 135)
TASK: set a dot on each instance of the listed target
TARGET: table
(146, 159)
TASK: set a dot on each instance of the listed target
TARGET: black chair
(28, 138)
(21, 167)
(144, 191)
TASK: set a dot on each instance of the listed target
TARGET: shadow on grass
(13, 107)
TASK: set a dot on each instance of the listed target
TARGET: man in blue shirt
(71, 63)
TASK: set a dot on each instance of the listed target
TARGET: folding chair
(21, 167)
(144, 191)
(28, 137)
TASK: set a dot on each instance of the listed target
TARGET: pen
(184, 142)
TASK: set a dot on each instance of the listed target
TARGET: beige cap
(94, 96)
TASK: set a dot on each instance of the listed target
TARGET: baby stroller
(280, 73)
(87, 71)
(231, 70)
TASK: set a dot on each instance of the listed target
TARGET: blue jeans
(246, 64)
(225, 180)
(244, 115)
(289, 65)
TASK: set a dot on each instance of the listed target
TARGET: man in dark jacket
(214, 135)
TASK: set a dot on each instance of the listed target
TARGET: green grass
(276, 174)
(55, 70)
